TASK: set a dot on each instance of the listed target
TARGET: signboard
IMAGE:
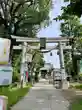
(1, 104)
(42, 43)
(4, 50)
(29, 57)
(5, 75)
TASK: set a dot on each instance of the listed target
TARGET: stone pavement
(42, 96)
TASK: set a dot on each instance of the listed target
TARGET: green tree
(37, 63)
(21, 16)
(37, 60)
(70, 27)
(74, 7)
(68, 62)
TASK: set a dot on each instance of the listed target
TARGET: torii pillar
(23, 62)
(62, 67)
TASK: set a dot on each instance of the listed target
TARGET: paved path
(43, 97)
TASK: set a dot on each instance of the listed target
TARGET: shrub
(14, 95)
(78, 86)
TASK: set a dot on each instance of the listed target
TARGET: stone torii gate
(58, 40)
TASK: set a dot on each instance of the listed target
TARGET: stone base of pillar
(65, 84)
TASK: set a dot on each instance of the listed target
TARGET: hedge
(79, 86)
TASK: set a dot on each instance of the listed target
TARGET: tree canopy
(22, 17)
(74, 7)
(71, 27)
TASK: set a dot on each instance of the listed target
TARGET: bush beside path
(14, 94)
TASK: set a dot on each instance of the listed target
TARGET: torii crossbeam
(37, 40)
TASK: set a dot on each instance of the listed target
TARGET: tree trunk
(11, 49)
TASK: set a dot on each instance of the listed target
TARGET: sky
(53, 30)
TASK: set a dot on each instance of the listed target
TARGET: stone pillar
(61, 56)
(23, 61)
(62, 67)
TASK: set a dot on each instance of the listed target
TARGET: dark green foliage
(74, 8)
(16, 65)
(70, 27)
(23, 17)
